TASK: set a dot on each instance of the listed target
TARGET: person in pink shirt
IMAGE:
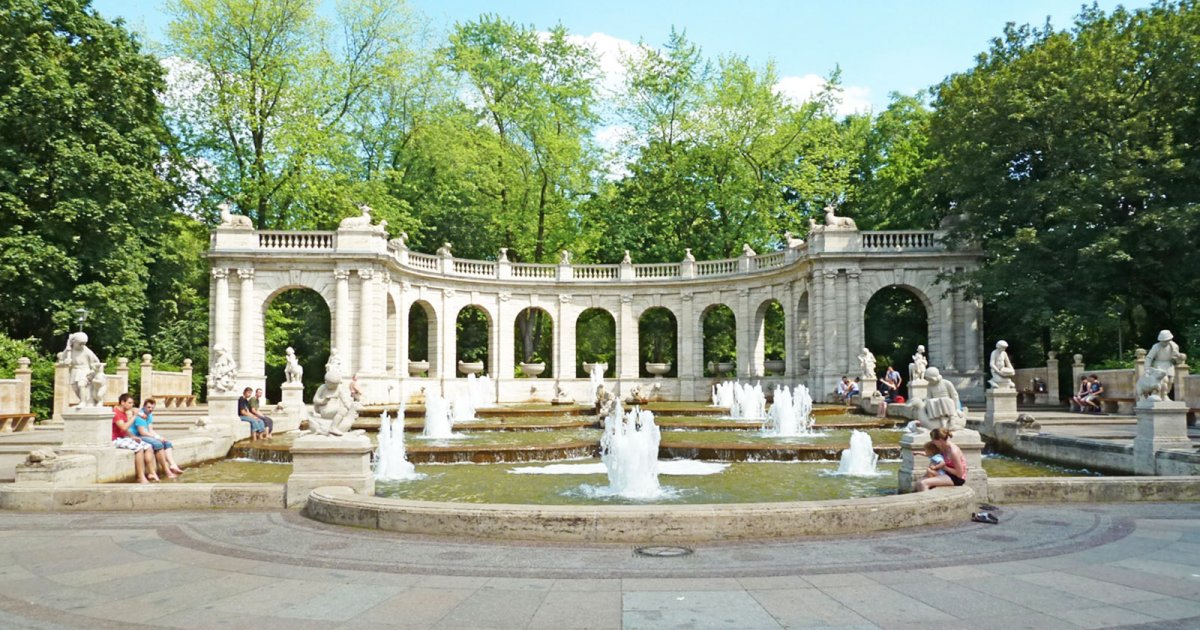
(143, 453)
(955, 467)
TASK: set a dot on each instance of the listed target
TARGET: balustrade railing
(656, 270)
(716, 267)
(423, 261)
(474, 268)
(307, 241)
(595, 272)
(769, 261)
(531, 270)
(899, 240)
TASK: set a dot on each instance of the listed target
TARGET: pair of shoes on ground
(985, 517)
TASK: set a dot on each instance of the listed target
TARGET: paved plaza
(1087, 566)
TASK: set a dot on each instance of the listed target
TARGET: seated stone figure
(941, 408)
(1155, 384)
(335, 407)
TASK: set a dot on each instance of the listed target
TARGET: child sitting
(937, 463)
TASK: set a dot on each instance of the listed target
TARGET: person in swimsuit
(956, 463)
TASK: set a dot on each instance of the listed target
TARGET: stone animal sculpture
(1155, 384)
(229, 219)
(834, 222)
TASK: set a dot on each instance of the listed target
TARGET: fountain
(438, 422)
(791, 413)
(860, 459)
(483, 392)
(462, 409)
(629, 451)
(745, 401)
(391, 463)
(595, 379)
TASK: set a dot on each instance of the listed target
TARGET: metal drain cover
(663, 552)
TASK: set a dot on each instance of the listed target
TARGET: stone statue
(604, 401)
(834, 222)
(222, 376)
(293, 372)
(360, 221)
(814, 227)
(688, 256)
(564, 258)
(747, 250)
(444, 251)
(637, 395)
(401, 241)
(1154, 384)
(1002, 368)
(916, 369)
(941, 408)
(626, 260)
(1163, 356)
(229, 219)
(86, 375)
(335, 407)
(866, 366)
(792, 241)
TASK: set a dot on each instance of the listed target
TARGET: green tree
(86, 204)
(889, 183)
(1071, 156)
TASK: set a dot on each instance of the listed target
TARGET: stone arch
(534, 340)
(896, 319)
(468, 331)
(423, 335)
(301, 310)
(658, 340)
(718, 325)
(595, 340)
(768, 337)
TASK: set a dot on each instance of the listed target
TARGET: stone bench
(10, 422)
(1112, 404)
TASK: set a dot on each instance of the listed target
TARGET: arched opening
(422, 333)
(297, 318)
(596, 341)
(471, 330)
(895, 322)
(657, 334)
(720, 340)
(534, 342)
(393, 334)
(803, 353)
(770, 343)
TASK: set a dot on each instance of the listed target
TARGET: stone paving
(1117, 565)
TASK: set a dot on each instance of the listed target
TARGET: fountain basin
(417, 368)
(472, 367)
(641, 523)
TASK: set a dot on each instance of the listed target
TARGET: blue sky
(881, 46)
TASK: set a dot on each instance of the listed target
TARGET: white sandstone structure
(371, 284)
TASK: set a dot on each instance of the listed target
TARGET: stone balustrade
(303, 241)
(170, 389)
(14, 392)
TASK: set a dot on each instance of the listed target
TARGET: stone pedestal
(319, 460)
(1001, 407)
(918, 390)
(1162, 425)
(913, 461)
(90, 427)
(222, 412)
(293, 402)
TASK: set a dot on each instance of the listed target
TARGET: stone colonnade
(370, 284)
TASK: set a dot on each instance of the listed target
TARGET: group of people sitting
(1086, 400)
(889, 390)
(133, 429)
(261, 425)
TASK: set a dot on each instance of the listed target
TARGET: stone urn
(724, 367)
(417, 368)
(587, 367)
(658, 369)
(774, 366)
(532, 370)
(474, 367)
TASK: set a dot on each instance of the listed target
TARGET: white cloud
(853, 99)
(609, 53)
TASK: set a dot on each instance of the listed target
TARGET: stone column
(816, 343)
(147, 388)
(689, 368)
(87, 428)
(1077, 371)
(25, 376)
(404, 305)
(971, 340)
(447, 341)
(832, 337)
(744, 321)
(1139, 365)
(1181, 376)
(1161, 426)
(221, 334)
(945, 358)
(341, 316)
(506, 362)
(1051, 396)
(564, 333)
(627, 342)
(319, 460)
(246, 306)
(855, 332)
(366, 322)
